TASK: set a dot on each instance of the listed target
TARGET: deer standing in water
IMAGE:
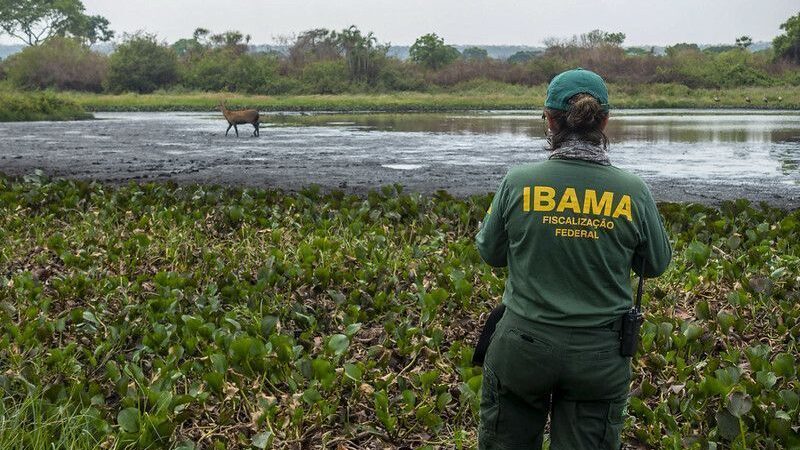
(242, 117)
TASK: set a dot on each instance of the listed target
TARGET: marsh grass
(33, 423)
(28, 107)
(476, 94)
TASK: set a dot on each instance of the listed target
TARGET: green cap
(577, 81)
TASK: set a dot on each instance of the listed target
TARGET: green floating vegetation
(157, 316)
(29, 107)
(475, 95)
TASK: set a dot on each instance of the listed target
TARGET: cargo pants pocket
(614, 424)
(490, 409)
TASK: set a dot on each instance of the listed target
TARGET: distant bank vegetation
(323, 61)
(471, 95)
(26, 107)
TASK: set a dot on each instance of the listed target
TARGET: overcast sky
(524, 22)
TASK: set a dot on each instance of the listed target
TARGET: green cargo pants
(574, 374)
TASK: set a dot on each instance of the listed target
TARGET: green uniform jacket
(570, 231)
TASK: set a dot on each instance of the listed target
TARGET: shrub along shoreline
(29, 107)
(476, 97)
(37, 106)
(203, 317)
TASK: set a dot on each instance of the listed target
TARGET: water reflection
(788, 154)
(711, 142)
(420, 123)
(706, 128)
(647, 126)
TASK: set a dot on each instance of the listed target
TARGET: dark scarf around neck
(574, 148)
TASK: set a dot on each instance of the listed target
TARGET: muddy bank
(294, 174)
(463, 155)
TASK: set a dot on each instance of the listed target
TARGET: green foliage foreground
(17, 107)
(154, 316)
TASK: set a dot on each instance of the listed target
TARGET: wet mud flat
(293, 176)
(356, 157)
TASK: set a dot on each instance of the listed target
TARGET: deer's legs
(229, 129)
(255, 130)
(236, 129)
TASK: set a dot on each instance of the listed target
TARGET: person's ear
(604, 123)
(551, 123)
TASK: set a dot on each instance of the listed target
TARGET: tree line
(323, 61)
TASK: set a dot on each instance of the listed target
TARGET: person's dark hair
(583, 120)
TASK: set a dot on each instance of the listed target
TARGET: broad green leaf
(89, 317)
(733, 242)
(727, 425)
(784, 365)
(219, 362)
(780, 426)
(382, 411)
(725, 320)
(352, 329)
(409, 398)
(779, 272)
(353, 372)
(268, 324)
(128, 420)
(443, 400)
(322, 368)
(693, 332)
(766, 378)
(702, 311)
(758, 355)
(337, 296)
(698, 253)
(311, 396)
(790, 399)
(215, 380)
(739, 403)
(262, 440)
(339, 343)
(474, 383)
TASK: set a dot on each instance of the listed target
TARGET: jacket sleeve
(654, 247)
(492, 239)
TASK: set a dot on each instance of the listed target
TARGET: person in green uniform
(570, 229)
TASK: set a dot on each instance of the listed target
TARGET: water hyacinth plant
(164, 316)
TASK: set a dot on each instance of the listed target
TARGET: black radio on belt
(632, 322)
(486, 335)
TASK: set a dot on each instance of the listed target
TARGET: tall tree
(431, 51)
(598, 38)
(313, 45)
(35, 21)
(361, 51)
(475, 53)
(232, 40)
(202, 41)
(523, 56)
(743, 42)
(142, 64)
(674, 50)
(787, 45)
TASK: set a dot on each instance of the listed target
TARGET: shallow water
(718, 147)
(677, 143)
